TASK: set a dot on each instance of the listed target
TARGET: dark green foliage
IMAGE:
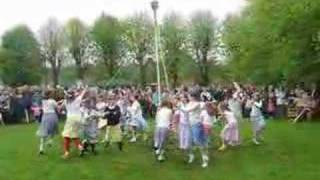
(174, 36)
(106, 33)
(275, 40)
(139, 42)
(20, 57)
(270, 41)
(203, 42)
(77, 35)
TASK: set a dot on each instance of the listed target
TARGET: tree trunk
(204, 70)
(80, 71)
(111, 69)
(142, 74)
(175, 79)
(45, 75)
(174, 72)
(205, 75)
(55, 76)
(109, 65)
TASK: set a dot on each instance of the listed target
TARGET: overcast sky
(34, 13)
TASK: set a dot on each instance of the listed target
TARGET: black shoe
(85, 146)
(107, 144)
(82, 153)
(120, 146)
(155, 148)
(41, 152)
(93, 149)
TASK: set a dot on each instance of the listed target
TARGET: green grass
(290, 152)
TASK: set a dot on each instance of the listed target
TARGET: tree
(78, 44)
(52, 47)
(107, 33)
(203, 41)
(173, 36)
(275, 40)
(20, 57)
(138, 37)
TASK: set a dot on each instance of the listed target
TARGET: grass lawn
(289, 152)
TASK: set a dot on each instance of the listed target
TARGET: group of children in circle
(116, 114)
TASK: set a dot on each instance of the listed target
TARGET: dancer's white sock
(106, 138)
(42, 142)
(191, 158)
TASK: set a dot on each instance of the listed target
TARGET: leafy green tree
(52, 40)
(203, 41)
(174, 36)
(20, 57)
(139, 41)
(274, 40)
(78, 44)
(107, 34)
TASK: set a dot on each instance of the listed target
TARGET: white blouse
(135, 109)
(255, 110)
(73, 108)
(193, 109)
(205, 118)
(49, 106)
(163, 117)
(230, 117)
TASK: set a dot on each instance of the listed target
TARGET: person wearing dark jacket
(112, 113)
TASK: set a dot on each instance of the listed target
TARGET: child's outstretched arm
(258, 104)
(190, 108)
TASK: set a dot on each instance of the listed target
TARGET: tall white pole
(155, 5)
(162, 59)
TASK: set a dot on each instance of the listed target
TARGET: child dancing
(72, 127)
(163, 120)
(230, 132)
(49, 123)
(90, 124)
(113, 130)
(257, 119)
(193, 108)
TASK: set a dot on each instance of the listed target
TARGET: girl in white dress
(206, 117)
(193, 108)
(257, 119)
(163, 121)
(136, 122)
(235, 102)
(49, 123)
(230, 132)
(184, 130)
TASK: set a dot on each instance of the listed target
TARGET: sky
(34, 13)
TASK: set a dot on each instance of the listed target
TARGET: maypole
(155, 6)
